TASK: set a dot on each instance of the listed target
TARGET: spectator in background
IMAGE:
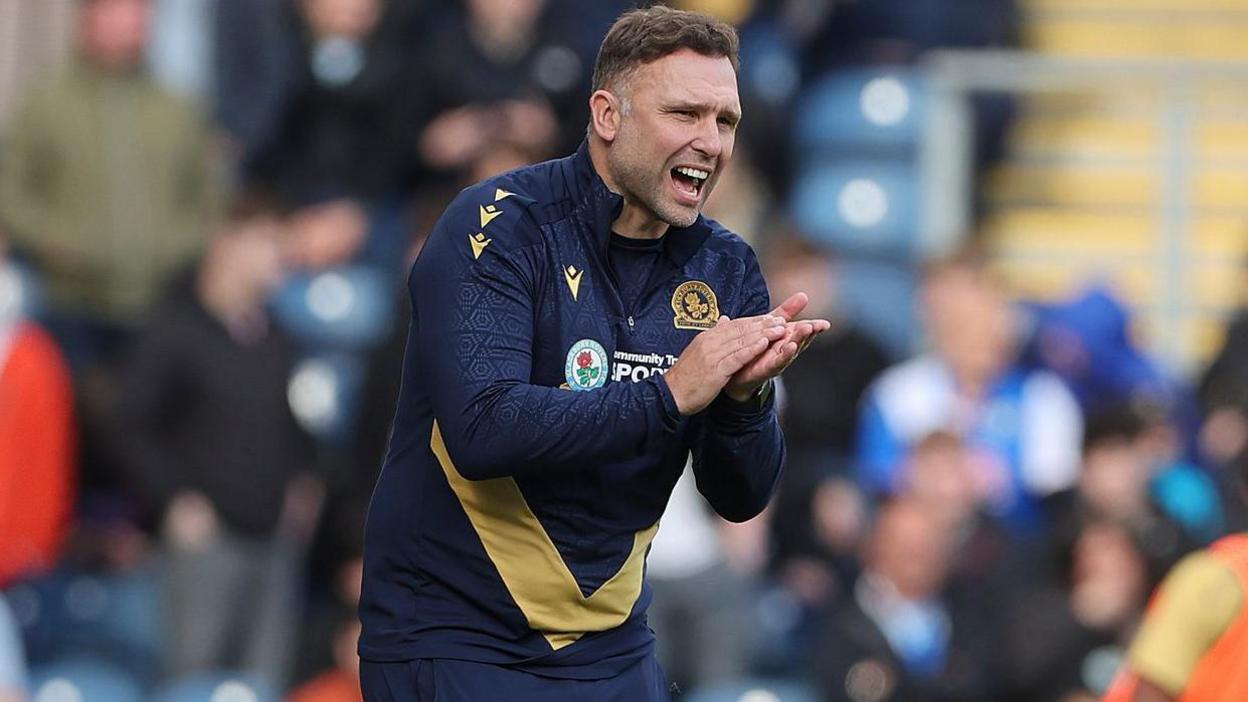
(1053, 638)
(814, 524)
(899, 636)
(1087, 342)
(34, 40)
(1223, 432)
(252, 71)
(105, 183)
(1023, 427)
(345, 139)
(940, 476)
(209, 440)
(1120, 482)
(1192, 643)
(342, 682)
(487, 88)
(37, 441)
(701, 608)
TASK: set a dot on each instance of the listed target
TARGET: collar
(601, 206)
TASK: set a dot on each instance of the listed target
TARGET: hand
(301, 508)
(327, 234)
(715, 355)
(783, 351)
(191, 521)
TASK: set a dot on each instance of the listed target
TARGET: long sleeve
(880, 450)
(473, 339)
(738, 449)
(146, 410)
(28, 173)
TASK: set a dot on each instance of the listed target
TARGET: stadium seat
(770, 66)
(323, 392)
(859, 207)
(348, 308)
(867, 112)
(113, 618)
(879, 298)
(758, 690)
(220, 686)
(83, 680)
(19, 288)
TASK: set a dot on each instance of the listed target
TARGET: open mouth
(689, 182)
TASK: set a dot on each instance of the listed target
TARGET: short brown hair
(644, 35)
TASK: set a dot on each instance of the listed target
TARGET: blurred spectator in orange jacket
(37, 440)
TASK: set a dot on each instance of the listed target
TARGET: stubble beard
(643, 186)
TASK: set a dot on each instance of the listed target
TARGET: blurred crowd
(207, 212)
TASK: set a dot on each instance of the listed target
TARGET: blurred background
(1026, 217)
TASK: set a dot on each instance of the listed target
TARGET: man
(577, 330)
(899, 632)
(1022, 426)
(105, 184)
(1194, 639)
(208, 441)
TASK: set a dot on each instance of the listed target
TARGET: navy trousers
(445, 680)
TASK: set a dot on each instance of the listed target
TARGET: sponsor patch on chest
(636, 367)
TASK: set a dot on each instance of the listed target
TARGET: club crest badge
(586, 367)
(695, 306)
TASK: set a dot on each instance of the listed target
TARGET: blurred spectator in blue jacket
(1023, 427)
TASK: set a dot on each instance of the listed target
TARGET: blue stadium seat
(755, 690)
(19, 288)
(323, 392)
(879, 298)
(114, 618)
(350, 307)
(859, 207)
(83, 680)
(863, 112)
(770, 65)
(220, 686)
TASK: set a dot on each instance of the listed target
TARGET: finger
(736, 333)
(738, 359)
(790, 308)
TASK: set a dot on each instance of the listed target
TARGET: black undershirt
(632, 261)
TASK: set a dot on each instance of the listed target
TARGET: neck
(635, 220)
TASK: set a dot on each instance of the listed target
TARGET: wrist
(748, 393)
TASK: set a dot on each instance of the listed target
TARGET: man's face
(114, 33)
(676, 135)
(349, 19)
(968, 320)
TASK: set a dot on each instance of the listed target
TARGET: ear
(605, 114)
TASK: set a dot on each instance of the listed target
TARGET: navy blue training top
(535, 442)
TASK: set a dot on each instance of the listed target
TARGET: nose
(709, 140)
